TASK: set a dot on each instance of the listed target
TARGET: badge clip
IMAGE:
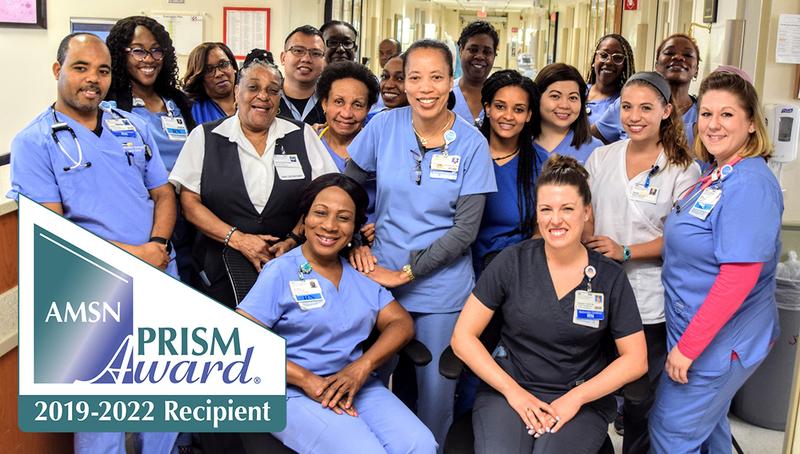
(590, 273)
(303, 270)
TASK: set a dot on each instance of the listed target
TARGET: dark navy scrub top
(547, 353)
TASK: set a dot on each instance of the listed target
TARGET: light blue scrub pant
(435, 394)
(114, 442)
(383, 424)
(693, 418)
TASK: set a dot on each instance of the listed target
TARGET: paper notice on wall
(185, 30)
(246, 29)
(787, 49)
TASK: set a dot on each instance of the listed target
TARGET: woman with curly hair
(145, 82)
(611, 66)
(209, 81)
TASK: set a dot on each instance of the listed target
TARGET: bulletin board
(23, 13)
(245, 29)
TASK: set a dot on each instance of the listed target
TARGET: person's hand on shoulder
(387, 277)
(605, 246)
(362, 259)
(369, 233)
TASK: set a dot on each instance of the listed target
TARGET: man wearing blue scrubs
(98, 168)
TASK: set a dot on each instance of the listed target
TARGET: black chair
(460, 439)
(243, 275)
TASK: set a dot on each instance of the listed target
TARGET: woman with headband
(634, 183)
(721, 248)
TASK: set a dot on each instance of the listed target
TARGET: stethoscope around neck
(59, 126)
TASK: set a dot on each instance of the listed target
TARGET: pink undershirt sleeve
(733, 283)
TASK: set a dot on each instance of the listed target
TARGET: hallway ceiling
(491, 5)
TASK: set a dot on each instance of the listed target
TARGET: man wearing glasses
(303, 61)
(340, 41)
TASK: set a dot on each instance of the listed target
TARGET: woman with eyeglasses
(477, 48)
(145, 82)
(240, 178)
(209, 81)
(612, 64)
(433, 172)
(634, 182)
(678, 60)
(563, 128)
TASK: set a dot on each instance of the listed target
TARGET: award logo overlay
(109, 343)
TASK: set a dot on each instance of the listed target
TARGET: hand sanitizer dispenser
(783, 126)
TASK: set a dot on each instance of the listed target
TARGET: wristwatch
(409, 273)
(626, 253)
(162, 240)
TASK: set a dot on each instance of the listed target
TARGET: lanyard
(714, 175)
(310, 104)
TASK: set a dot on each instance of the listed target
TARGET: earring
(350, 244)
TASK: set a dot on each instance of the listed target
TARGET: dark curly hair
(527, 170)
(343, 182)
(348, 70)
(629, 67)
(196, 69)
(478, 27)
(166, 83)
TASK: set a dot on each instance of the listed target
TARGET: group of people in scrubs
(449, 208)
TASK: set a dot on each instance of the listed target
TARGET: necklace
(507, 156)
(425, 141)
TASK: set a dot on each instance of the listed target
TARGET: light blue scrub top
(596, 108)
(412, 216)
(461, 107)
(169, 148)
(205, 111)
(743, 227)
(369, 186)
(110, 198)
(581, 154)
(326, 339)
(610, 127)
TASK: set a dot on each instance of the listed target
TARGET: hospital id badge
(588, 309)
(175, 128)
(705, 203)
(307, 294)
(640, 193)
(121, 127)
(445, 166)
(288, 167)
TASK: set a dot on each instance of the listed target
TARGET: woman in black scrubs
(564, 309)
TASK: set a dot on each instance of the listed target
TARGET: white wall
(27, 80)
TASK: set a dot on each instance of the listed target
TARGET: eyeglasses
(223, 66)
(334, 44)
(140, 54)
(617, 59)
(299, 52)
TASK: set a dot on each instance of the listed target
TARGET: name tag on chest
(307, 294)
(640, 193)
(445, 167)
(121, 127)
(288, 167)
(589, 308)
(705, 203)
(175, 128)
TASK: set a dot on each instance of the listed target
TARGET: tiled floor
(752, 439)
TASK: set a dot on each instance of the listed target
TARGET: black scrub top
(547, 353)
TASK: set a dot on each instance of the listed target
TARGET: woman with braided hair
(611, 66)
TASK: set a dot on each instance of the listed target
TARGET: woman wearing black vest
(240, 178)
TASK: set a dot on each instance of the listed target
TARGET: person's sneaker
(619, 426)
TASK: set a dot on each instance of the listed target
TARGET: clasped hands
(337, 391)
(539, 417)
